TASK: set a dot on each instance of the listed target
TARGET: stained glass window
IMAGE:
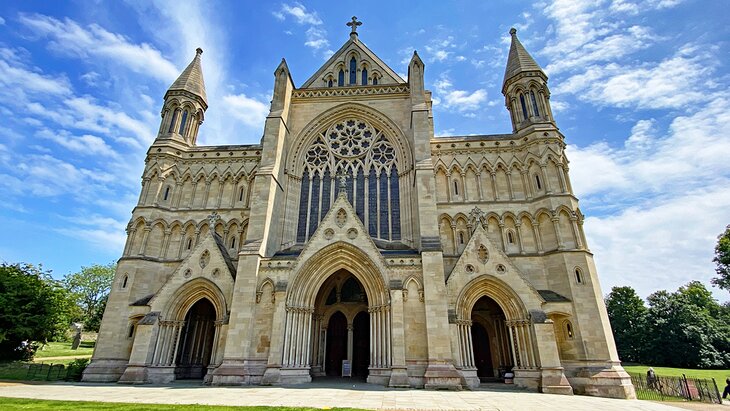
(534, 103)
(303, 201)
(341, 78)
(394, 204)
(353, 70)
(524, 107)
(364, 81)
(182, 122)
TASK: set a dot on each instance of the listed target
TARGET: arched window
(524, 106)
(363, 154)
(240, 195)
(578, 276)
(167, 193)
(534, 104)
(375, 80)
(461, 237)
(353, 70)
(510, 237)
(173, 121)
(190, 243)
(538, 184)
(364, 81)
(341, 78)
(124, 281)
(233, 242)
(456, 188)
(130, 334)
(568, 330)
(182, 122)
(329, 82)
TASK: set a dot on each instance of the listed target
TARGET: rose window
(350, 138)
(317, 155)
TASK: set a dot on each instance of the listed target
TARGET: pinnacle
(519, 59)
(191, 79)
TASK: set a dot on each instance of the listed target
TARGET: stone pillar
(399, 371)
(192, 195)
(536, 233)
(552, 378)
(518, 233)
(509, 185)
(546, 180)
(493, 175)
(558, 234)
(526, 184)
(479, 186)
(145, 235)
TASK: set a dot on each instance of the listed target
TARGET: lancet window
(354, 150)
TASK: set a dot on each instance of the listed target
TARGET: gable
(481, 257)
(364, 59)
(208, 260)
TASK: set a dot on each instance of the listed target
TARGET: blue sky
(639, 88)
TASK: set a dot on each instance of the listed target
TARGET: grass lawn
(11, 404)
(718, 375)
(61, 349)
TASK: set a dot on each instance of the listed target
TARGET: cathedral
(352, 242)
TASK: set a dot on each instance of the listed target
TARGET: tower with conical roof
(185, 103)
(525, 89)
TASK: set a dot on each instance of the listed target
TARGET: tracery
(364, 155)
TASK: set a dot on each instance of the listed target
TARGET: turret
(185, 104)
(525, 89)
(415, 79)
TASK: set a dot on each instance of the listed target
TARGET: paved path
(322, 395)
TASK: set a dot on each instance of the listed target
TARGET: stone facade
(351, 234)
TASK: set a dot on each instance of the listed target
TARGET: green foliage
(90, 289)
(33, 308)
(687, 328)
(75, 369)
(627, 314)
(722, 259)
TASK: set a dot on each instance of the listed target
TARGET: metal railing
(682, 388)
(53, 372)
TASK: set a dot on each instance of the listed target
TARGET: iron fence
(53, 372)
(676, 389)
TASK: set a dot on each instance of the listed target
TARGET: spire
(519, 59)
(191, 79)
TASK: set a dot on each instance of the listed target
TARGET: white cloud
(248, 110)
(663, 244)
(316, 38)
(440, 49)
(300, 14)
(2, 21)
(676, 82)
(14, 78)
(85, 144)
(461, 101)
(68, 37)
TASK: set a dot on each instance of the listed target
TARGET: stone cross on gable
(354, 24)
(212, 220)
(476, 215)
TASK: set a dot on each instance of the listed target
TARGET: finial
(212, 220)
(512, 31)
(198, 51)
(353, 25)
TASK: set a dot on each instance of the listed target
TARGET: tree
(33, 308)
(90, 289)
(722, 259)
(685, 329)
(627, 314)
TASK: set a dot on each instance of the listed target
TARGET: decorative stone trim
(351, 91)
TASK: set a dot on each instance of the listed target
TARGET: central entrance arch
(341, 275)
(342, 323)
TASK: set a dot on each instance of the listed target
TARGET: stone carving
(352, 234)
(341, 217)
(483, 254)
(204, 259)
(501, 269)
(329, 233)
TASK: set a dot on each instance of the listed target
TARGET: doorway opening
(490, 339)
(342, 324)
(196, 341)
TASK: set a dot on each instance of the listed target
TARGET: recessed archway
(195, 345)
